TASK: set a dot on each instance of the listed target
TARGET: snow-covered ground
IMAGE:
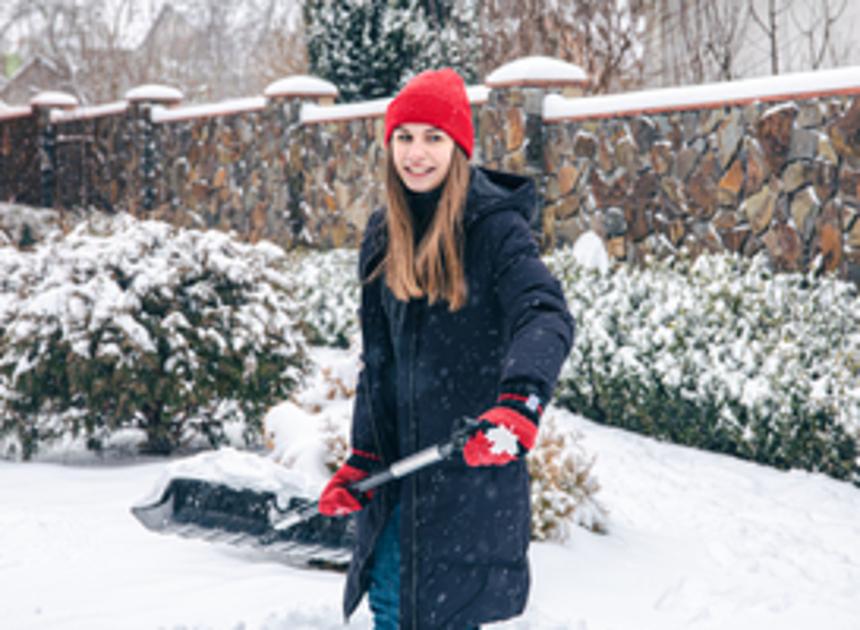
(696, 540)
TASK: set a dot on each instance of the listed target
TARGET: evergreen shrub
(173, 337)
(327, 293)
(719, 353)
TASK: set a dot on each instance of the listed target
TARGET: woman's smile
(422, 155)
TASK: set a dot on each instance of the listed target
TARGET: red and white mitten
(505, 432)
(337, 499)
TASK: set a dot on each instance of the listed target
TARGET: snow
(590, 252)
(153, 92)
(301, 85)
(161, 114)
(312, 113)
(19, 111)
(695, 540)
(786, 86)
(83, 113)
(238, 470)
(477, 94)
(536, 69)
(53, 99)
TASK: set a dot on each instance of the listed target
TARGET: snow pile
(537, 69)
(181, 335)
(238, 470)
(590, 252)
(721, 354)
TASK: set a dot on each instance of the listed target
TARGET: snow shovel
(296, 533)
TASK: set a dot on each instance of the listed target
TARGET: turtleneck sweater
(422, 206)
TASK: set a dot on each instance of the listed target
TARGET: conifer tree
(370, 48)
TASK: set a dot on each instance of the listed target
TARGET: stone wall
(95, 162)
(777, 171)
(19, 158)
(781, 177)
(344, 183)
(225, 171)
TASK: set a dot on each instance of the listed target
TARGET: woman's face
(422, 154)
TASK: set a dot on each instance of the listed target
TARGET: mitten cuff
(363, 460)
(522, 398)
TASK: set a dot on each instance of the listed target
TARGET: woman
(459, 317)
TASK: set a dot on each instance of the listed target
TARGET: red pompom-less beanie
(438, 98)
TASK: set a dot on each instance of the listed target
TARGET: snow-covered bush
(181, 335)
(24, 226)
(722, 354)
(562, 486)
(327, 294)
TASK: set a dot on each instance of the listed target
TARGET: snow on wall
(85, 113)
(696, 178)
(161, 114)
(18, 111)
(539, 70)
(313, 113)
(301, 85)
(53, 99)
(838, 81)
(154, 92)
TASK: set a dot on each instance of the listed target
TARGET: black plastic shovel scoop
(297, 532)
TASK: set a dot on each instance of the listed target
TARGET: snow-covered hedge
(24, 226)
(169, 336)
(327, 294)
(720, 354)
(175, 333)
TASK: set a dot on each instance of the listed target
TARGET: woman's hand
(337, 499)
(505, 432)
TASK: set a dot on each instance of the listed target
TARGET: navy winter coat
(464, 531)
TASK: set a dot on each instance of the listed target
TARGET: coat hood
(491, 191)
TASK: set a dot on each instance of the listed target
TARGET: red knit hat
(438, 98)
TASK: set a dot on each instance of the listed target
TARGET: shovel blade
(200, 509)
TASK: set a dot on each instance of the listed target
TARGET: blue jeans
(384, 592)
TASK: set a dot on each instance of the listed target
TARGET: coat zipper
(415, 442)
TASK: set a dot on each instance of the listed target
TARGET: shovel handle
(401, 468)
(463, 429)
(415, 462)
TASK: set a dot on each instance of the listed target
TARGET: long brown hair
(435, 269)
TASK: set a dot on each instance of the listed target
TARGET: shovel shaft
(401, 468)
